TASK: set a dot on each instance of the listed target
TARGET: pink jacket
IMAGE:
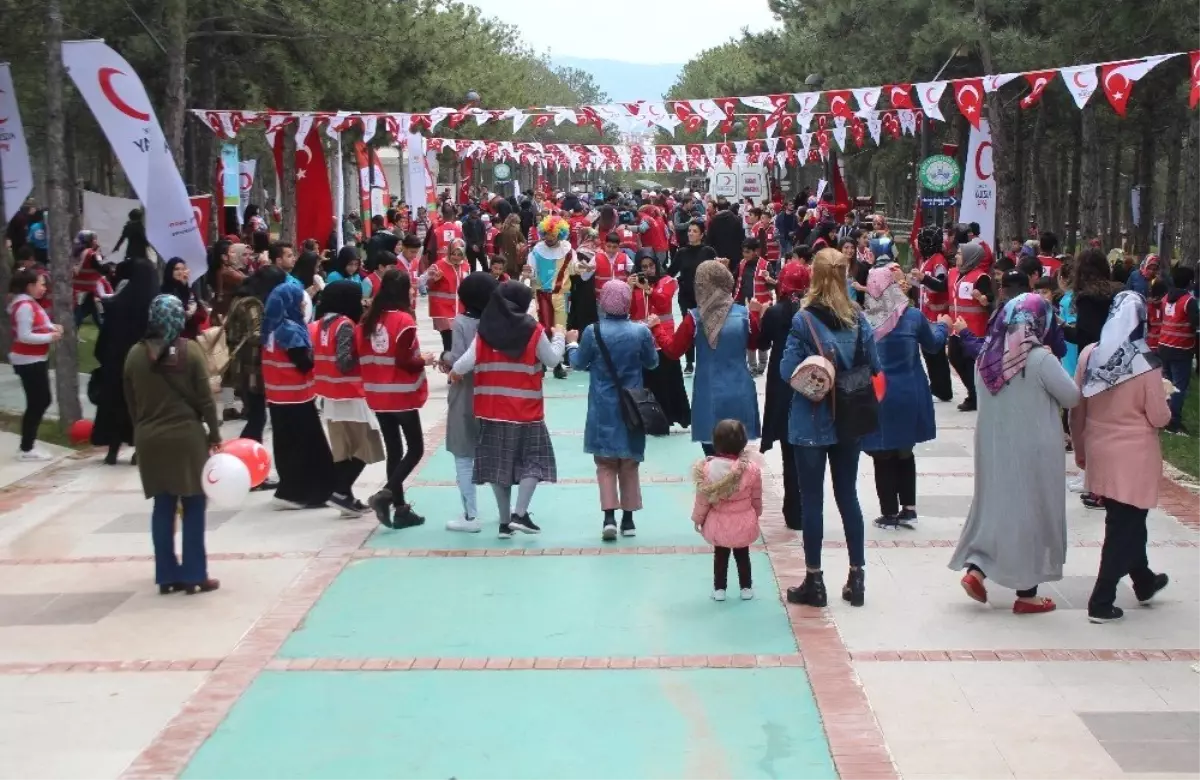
(728, 501)
(1115, 435)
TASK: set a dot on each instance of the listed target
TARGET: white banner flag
(14, 154)
(121, 106)
(979, 185)
(246, 171)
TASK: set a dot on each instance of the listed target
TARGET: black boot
(560, 371)
(811, 591)
(856, 590)
(610, 526)
(627, 527)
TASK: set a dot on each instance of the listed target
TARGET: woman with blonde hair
(829, 325)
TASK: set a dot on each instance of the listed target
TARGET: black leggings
(398, 428)
(938, 366)
(741, 556)
(963, 366)
(1021, 594)
(447, 339)
(792, 513)
(345, 473)
(35, 381)
(254, 412)
(895, 480)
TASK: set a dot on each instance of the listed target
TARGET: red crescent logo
(105, 76)
(197, 215)
(1075, 78)
(979, 161)
(208, 477)
(929, 96)
(246, 181)
(871, 98)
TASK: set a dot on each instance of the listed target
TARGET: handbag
(814, 377)
(640, 410)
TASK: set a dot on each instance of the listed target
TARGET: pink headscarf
(615, 298)
(885, 301)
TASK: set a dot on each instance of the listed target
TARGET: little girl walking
(728, 505)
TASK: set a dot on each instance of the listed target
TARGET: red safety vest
(41, 324)
(604, 269)
(443, 293)
(963, 305)
(771, 248)
(658, 302)
(284, 383)
(1177, 332)
(328, 380)
(1050, 265)
(655, 238)
(762, 293)
(935, 304)
(629, 238)
(387, 387)
(509, 389)
(84, 281)
(1154, 319)
(490, 244)
(447, 232)
(577, 225)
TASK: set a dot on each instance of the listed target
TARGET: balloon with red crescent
(105, 77)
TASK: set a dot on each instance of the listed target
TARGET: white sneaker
(747, 594)
(718, 595)
(34, 456)
(1075, 485)
(465, 525)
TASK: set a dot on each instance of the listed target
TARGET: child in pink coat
(728, 505)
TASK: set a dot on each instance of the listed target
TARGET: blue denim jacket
(809, 424)
(632, 349)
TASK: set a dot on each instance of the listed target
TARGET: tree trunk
(287, 183)
(1039, 203)
(1005, 165)
(6, 272)
(1115, 212)
(66, 357)
(74, 196)
(1089, 175)
(1189, 244)
(1071, 225)
(1145, 182)
(1166, 249)
(175, 16)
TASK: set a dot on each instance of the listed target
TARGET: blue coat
(906, 412)
(632, 349)
(809, 424)
(723, 388)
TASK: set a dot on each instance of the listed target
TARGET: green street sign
(939, 173)
(502, 172)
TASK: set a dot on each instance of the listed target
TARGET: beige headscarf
(714, 297)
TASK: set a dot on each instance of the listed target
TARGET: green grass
(1183, 452)
(88, 332)
(49, 431)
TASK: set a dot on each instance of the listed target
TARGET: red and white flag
(839, 103)
(314, 201)
(1117, 79)
(930, 93)
(1038, 80)
(1081, 81)
(14, 154)
(1194, 95)
(968, 94)
(118, 100)
(900, 95)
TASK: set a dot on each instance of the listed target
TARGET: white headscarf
(1122, 353)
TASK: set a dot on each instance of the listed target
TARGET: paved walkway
(336, 649)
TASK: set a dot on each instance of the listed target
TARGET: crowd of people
(641, 291)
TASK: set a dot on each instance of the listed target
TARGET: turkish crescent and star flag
(314, 200)
(118, 100)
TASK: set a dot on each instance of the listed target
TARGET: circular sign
(502, 172)
(939, 173)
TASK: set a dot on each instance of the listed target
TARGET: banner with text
(979, 184)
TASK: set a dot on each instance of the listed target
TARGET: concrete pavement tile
(1057, 758)
(963, 758)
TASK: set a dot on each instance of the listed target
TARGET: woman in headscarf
(176, 282)
(1115, 432)
(514, 446)
(126, 314)
(302, 456)
(305, 271)
(616, 451)
(1016, 530)
(721, 331)
(347, 266)
(971, 295)
(354, 438)
(776, 324)
(654, 295)
(1139, 281)
(906, 411)
(933, 296)
(583, 310)
(462, 428)
(166, 386)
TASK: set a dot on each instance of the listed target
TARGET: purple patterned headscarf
(615, 298)
(1012, 334)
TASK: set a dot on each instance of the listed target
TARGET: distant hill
(625, 82)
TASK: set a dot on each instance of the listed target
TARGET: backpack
(855, 401)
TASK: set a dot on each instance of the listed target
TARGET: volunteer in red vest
(442, 281)
(1048, 244)
(654, 295)
(1177, 341)
(611, 263)
(579, 223)
(353, 430)
(506, 358)
(32, 335)
(971, 295)
(654, 233)
(393, 375)
(301, 451)
(931, 279)
(442, 234)
(753, 282)
(86, 256)
(630, 240)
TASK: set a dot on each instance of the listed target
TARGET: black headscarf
(127, 313)
(343, 297)
(647, 254)
(475, 291)
(343, 258)
(181, 290)
(305, 269)
(261, 282)
(505, 324)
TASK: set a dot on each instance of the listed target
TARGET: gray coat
(462, 428)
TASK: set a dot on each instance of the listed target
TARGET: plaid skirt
(510, 452)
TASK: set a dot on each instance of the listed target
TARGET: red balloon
(80, 431)
(254, 455)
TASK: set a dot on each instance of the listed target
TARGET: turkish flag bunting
(900, 95)
(968, 93)
(314, 202)
(1194, 97)
(1037, 85)
(839, 103)
(1117, 80)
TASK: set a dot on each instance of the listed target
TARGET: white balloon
(226, 480)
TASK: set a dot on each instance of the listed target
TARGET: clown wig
(554, 226)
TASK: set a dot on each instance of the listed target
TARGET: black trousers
(938, 366)
(447, 339)
(254, 411)
(397, 429)
(963, 366)
(741, 556)
(345, 474)
(1123, 553)
(895, 480)
(478, 261)
(35, 381)
(792, 514)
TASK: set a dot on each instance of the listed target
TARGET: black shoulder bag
(640, 410)
(855, 407)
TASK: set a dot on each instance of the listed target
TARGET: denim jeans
(167, 568)
(1179, 373)
(810, 471)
